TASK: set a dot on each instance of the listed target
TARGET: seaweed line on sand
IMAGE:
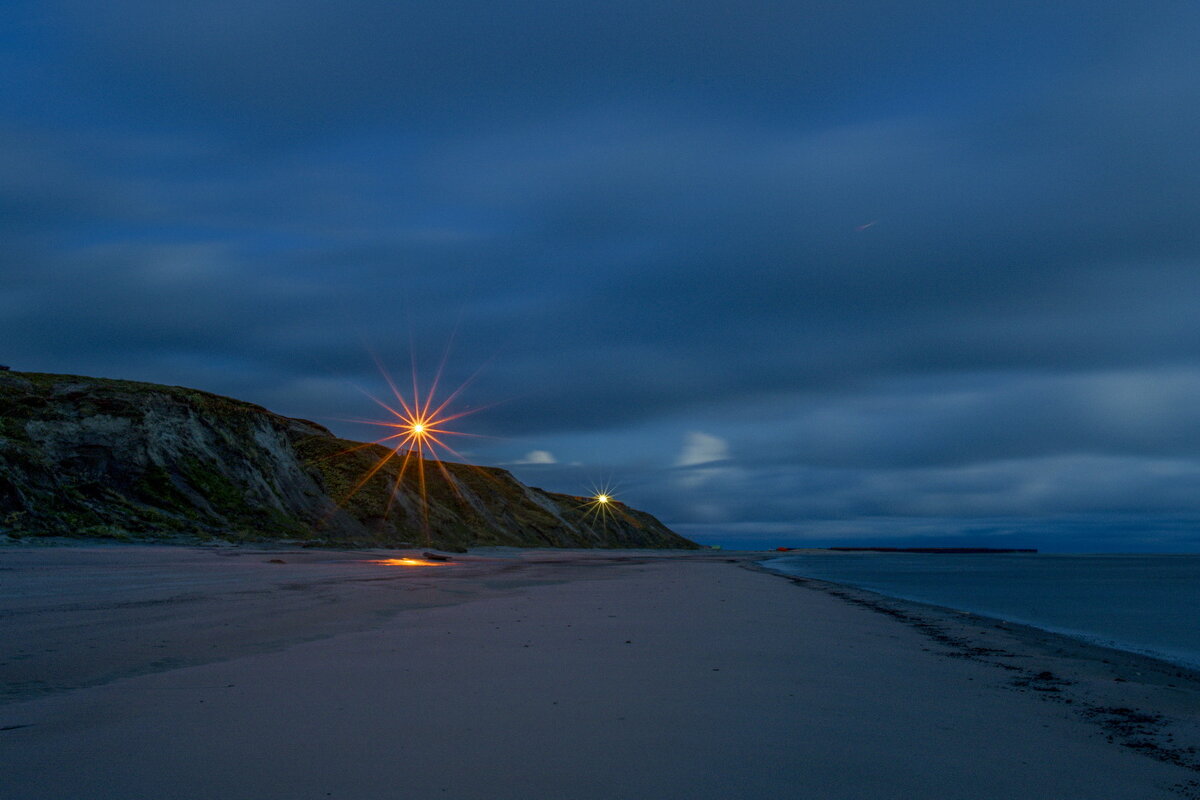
(1143, 732)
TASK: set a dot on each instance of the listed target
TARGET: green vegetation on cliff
(120, 459)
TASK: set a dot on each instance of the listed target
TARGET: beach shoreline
(1142, 702)
(1181, 651)
(1047, 637)
(574, 674)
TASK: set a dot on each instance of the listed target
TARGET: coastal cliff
(119, 459)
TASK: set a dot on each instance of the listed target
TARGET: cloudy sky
(780, 272)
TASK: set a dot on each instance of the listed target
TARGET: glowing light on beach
(408, 562)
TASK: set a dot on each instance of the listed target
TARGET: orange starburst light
(421, 424)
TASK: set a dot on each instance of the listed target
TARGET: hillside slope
(99, 457)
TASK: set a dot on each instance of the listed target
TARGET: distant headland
(950, 550)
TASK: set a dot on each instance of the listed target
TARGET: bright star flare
(601, 507)
(421, 424)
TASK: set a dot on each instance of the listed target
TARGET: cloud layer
(637, 221)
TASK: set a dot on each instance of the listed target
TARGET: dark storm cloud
(903, 263)
(422, 61)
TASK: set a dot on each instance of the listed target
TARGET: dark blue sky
(785, 273)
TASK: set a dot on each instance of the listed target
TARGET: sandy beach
(175, 672)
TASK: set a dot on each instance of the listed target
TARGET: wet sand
(153, 672)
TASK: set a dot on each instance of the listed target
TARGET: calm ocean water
(1147, 604)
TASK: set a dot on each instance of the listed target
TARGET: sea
(1147, 604)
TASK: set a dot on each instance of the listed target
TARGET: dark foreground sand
(159, 672)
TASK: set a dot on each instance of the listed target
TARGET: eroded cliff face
(97, 457)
